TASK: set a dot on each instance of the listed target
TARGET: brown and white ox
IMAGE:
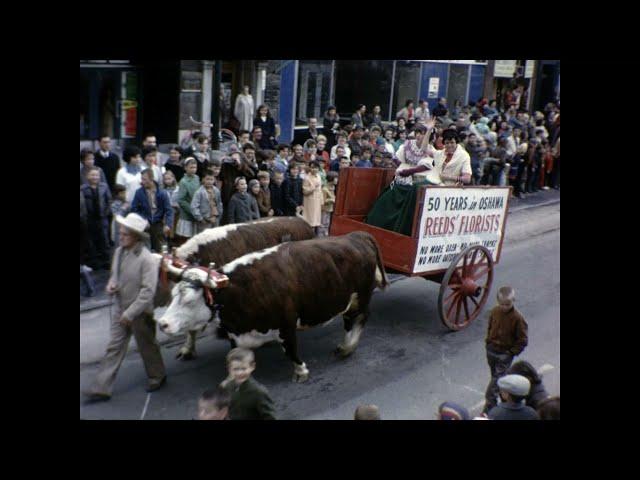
(221, 245)
(267, 295)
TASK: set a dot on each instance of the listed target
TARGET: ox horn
(170, 268)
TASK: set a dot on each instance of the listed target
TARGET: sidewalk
(95, 311)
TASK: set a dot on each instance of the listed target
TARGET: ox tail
(381, 275)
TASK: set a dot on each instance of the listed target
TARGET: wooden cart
(456, 237)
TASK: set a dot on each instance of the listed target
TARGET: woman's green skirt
(394, 208)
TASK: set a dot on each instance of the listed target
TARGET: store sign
(504, 68)
(434, 85)
(528, 69)
(129, 105)
(455, 218)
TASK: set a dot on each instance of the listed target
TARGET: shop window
(314, 90)
(366, 82)
(458, 81)
(405, 87)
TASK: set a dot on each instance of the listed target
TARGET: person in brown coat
(264, 195)
(133, 281)
(506, 338)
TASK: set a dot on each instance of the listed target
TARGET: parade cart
(456, 237)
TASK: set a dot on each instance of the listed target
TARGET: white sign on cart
(454, 218)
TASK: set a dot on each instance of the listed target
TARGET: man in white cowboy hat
(134, 276)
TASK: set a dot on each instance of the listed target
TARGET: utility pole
(215, 114)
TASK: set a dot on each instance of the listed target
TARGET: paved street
(407, 362)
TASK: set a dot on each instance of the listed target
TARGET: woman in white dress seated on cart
(419, 164)
(450, 166)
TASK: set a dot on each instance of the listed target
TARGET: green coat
(186, 190)
(250, 401)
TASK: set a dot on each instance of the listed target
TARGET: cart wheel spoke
(474, 302)
(450, 308)
(464, 265)
(451, 295)
(466, 308)
(457, 311)
(473, 259)
(479, 265)
(480, 273)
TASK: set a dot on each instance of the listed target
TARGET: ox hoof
(185, 354)
(300, 377)
(343, 352)
(301, 373)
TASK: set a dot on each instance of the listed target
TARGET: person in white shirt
(129, 175)
(422, 112)
(341, 138)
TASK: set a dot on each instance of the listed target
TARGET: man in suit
(108, 161)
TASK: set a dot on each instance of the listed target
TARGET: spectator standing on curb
(357, 119)
(506, 338)
(174, 164)
(408, 113)
(129, 175)
(202, 155)
(243, 206)
(186, 227)
(150, 157)
(341, 138)
(154, 205)
(264, 120)
(513, 391)
(422, 112)
(108, 161)
(276, 190)
(441, 109)
(88, 161)
(264, 195)
(328, 201)
(367, 412)
(206, 205)
(312, 201)
(375, 117)
(98, 204)
(292, 187)
(282, 158)
(250, 399)
(134, 276)
(331, 124)
(171, 187)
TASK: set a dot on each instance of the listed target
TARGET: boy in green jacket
(250, 400)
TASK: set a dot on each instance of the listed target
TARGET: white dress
(410, 156)
(129, 181)
(243, 111)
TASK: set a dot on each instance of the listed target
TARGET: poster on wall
(504, 68)
(455, 218)
(434, 85)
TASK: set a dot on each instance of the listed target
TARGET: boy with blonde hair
(506, 338)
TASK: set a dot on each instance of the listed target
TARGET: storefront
(109, 99)
(308, 87)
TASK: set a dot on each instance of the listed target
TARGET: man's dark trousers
(499, 363)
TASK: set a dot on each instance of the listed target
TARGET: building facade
(127, 99)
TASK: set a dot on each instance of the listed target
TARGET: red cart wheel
(465, 287)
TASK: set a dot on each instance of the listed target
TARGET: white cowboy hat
(135, 223)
